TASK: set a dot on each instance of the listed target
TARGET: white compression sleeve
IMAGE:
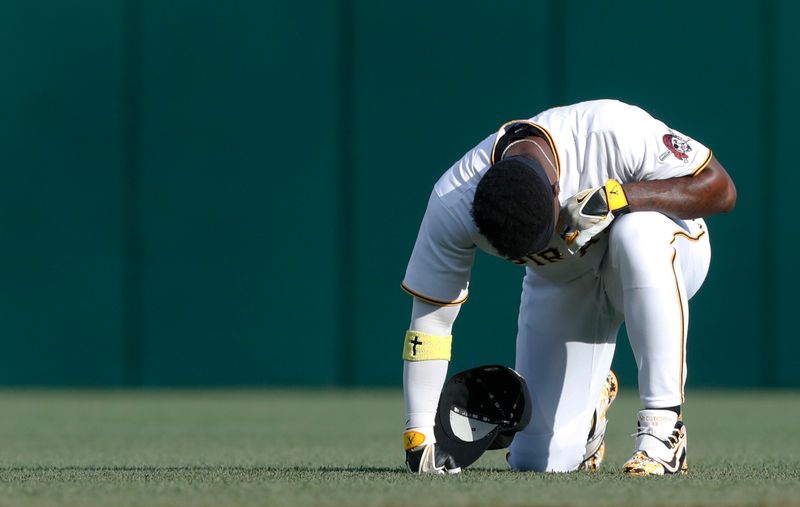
(423, 380)
(433, 319)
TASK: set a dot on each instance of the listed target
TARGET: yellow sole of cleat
(652, 469)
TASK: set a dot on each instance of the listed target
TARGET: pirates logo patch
(678, 146)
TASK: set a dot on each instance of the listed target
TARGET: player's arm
(587, 213)
(656, 169)
(438, 277)
(426, 356)
(709, 192)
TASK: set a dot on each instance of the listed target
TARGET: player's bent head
(513, 207)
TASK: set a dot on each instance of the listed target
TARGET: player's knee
(635, 227)
(527, 459)
(545, 455)
(635, 235)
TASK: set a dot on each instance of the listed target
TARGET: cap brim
(465, 438)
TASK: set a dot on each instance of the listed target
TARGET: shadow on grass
(249, 469)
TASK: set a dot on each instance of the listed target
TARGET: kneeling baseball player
(604, 206)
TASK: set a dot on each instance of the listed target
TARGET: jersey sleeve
(440, 264)
(656, 152)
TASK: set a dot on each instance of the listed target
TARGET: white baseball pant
(568, 329)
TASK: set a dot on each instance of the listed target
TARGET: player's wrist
(616, 198)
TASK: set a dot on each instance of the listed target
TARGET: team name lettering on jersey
(546, 256)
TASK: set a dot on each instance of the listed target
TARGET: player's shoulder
(612, 113)
(598, 114)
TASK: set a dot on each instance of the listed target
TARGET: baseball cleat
(660, 445)
(596, 445)
(430, 459)
(423, 457)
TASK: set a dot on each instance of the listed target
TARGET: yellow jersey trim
(688, 236)
(704, 164)
(547, 137)
(683, 322)
(433, 301)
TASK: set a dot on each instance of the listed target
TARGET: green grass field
(340, 448)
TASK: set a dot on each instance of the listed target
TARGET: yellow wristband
(423, 346)
(617, 200)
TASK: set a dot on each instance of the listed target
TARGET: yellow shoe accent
(412, 439)
(607, 396)
(592, 463)
(642, 465)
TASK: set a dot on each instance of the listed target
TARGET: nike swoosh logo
(581, 198)
(673, 464)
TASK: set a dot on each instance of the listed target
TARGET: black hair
(513, 207)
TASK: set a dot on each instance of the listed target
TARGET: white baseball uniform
(643, 269)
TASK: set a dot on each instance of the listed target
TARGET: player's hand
(589, 212)
(425, 457)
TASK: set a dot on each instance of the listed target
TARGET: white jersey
(592, 141)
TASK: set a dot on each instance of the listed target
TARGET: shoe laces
(671, 441)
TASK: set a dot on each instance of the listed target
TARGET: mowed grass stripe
(331, 448)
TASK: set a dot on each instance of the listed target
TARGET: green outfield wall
(194, 193)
